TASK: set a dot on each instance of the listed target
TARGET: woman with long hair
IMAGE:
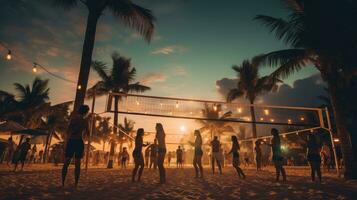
(138, 155)
(235, 152)
(160, 136)
(197, 158)
(313, 156)
(277, 155)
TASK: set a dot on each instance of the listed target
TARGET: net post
(332, 142)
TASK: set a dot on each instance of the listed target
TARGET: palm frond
(134, 16)
(101, 69)
(234, 94)
(136, 87)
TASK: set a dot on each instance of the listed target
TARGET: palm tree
(127, 127)
(250, 85)
(328, 42)
(30, 104)
(119, 79)
(102, 131)
(56, 123)
(215, 128)
(131, 14)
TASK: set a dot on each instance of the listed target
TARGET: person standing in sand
(138, 155)
(235, 152)
(258, 155)
(78, 127)
(215, 154)
(179, 157)
(160, 136)
(22, 153)
(277, 155)
(10, 151)
(197, 158)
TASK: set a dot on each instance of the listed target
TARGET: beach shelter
(10, 126)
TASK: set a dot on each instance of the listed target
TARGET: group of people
(21, 154)
(79, 125)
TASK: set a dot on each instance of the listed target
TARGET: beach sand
(43, 182)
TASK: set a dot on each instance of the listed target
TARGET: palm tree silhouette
(328, 42)
(29, 105)
(131, 14)
(120, 79)
(250, 85)
(128, 127)
(215, 127)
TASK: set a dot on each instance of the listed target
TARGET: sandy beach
(43, 182)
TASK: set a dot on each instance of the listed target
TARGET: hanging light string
(8, 55)
(34, 69)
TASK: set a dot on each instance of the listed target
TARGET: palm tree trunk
(103, 145)
(252, 114)
(115, 132)
(48, 142)
(339, 105)
(86, 60)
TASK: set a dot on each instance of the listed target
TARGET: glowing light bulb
(34, 68)
(289, 121)
(336, 140)
(183, 128)
(9, 56)
(239, 110)
(177, 104)
(266, 112)
(261, 119)
(272, 120)
(302, 118)
(137, 102)
(215, 108)
(79, 87)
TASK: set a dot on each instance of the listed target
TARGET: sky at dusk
(194, 46)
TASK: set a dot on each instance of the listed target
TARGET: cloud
(151, 78)
(303, 92)
(169, 50)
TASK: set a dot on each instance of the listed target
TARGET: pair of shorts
(75, 147)
(217, 156)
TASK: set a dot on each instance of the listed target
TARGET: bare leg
(64, 169)
(161, 167)
(77, 171)
(22, 165)
(141, 169)
(277, 170)
(195, 165)
(199, 163)
(212, 163)
(219, 166)
(283, 172)
(134, 172)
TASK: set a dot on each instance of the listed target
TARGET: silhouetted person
(179, 157)
(124, 157)
(138, 155)
(169, 156)
(235, 153)
(75, 145)
(147, 156)
(197, 158)
(10, 150)
(313, 156)
(215, 144)
(22, 153)
(326, 156)
(153, 154)
(33, 154)
(277, 155)
(258, 155)
(160, 136)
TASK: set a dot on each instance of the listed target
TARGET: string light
(272, 120)
(289, 121)
(261, 119)
(79, 87)
(34, 68)
(266, 112)
(302, 118)
(177, 104)
(215, 108)
(8, 56)
(239, 110)
(336, 140)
